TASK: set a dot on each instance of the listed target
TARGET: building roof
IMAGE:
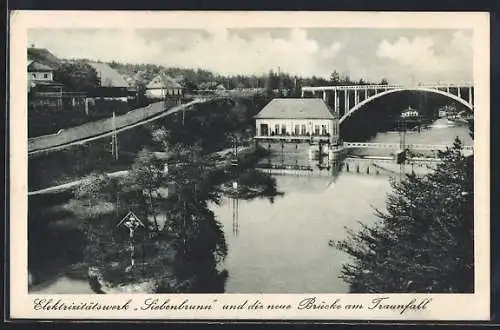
(296, 109)
(42, 55)
(34, 66)
(46, 83)
(163, 81)
(109, 76)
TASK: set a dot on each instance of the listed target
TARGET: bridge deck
(392, 86)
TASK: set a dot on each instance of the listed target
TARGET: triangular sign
(132, 218)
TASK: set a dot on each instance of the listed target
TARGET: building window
(264, 130)
(276, 129)
(297, 130)
(303, 130)
(323, 130)
(283, 129)
(45, 75)
(316, 129)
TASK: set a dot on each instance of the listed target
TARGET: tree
(77, 76)
(189, 85)
(92, 188)
(470, 123)
(384, 82)
(181, 255)
(335, 78)
(423, 241)
(147, 175)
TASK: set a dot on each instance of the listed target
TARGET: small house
(163, 86)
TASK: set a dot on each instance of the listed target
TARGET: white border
(443, 307)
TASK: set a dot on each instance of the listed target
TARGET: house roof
(163, 81)
(109, 76)
(296, 109)
(210, 85)
(34, 66)
(42, 55)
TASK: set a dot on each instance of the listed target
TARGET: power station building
(297, 120)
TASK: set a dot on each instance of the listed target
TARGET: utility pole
(114, 139)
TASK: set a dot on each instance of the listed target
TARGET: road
(102, 128)
(117, 174)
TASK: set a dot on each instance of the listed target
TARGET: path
(102, 128)
(117, 174)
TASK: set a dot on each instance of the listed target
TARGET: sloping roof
(42, 55)
(210, 85)
(163, 81)
(47, 83)
(109, 76)
(34, 66)
(296, 109)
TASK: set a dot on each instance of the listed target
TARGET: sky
(401, 56)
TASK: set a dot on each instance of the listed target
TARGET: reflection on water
(283, 247)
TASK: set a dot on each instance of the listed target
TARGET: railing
(301, 137)
(397, 146)
(59, 94)
(392, 86)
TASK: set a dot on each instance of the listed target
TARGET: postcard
(249, 165)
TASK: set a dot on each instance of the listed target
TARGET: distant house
(409, 113)
(212, 85)
(220, 88)
(42, 89)
(296, 119)
(163, 86)
(112, 85)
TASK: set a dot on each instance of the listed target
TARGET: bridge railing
(391, 86)
(397, 146)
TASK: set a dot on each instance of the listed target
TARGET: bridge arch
(397, 90)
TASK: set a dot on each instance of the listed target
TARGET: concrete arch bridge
(346, 100)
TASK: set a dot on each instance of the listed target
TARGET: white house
(297, 119)
(409, 113)
(163, 86)
(39, 72)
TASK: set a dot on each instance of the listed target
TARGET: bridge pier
(335, 101)
(324, 96)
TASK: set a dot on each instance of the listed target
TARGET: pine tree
(423, 241)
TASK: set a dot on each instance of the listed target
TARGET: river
(282, 246)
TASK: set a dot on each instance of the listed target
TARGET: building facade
(43, 91)
(163, 86)
(296, 120)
